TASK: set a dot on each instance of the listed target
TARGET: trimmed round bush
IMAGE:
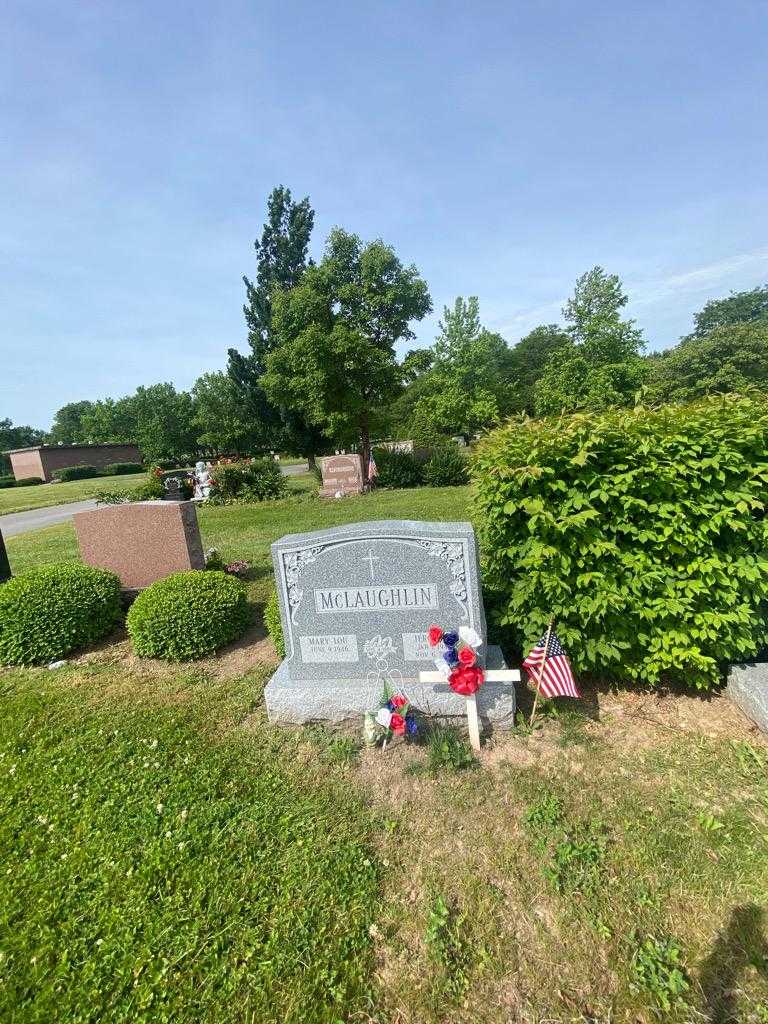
(30, 481)
(397, 469)
(273, 623)
(188, 615)
(448, 467)
(76, 473)
(51, 610)
(7, 481)
(643, 533)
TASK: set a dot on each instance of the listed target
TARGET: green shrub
(642, 532)
(273, 623)
(397, 469)
(150, 489)
(7, 481)
(29, 481)
(51, 610)
(76, 473)
(247, 482)
(122, 468)
(188, 615)
(448, 467)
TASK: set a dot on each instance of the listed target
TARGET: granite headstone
(5, 565)
(342, 474)
(356, 603)
(142, 541)
(748, 689)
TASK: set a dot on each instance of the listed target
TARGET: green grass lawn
(169, 856)
(21, 499)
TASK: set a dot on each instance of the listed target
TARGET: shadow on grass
(741, 944)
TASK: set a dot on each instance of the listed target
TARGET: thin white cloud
(712, 274)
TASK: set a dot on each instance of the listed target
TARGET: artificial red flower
(466, 680)
(397, 724)
(467, 656)
(398, 701)
(435, 635)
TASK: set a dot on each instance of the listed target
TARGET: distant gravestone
(173, 489)
(5, 565)
(748, 689)
(142, 541)
(342, 474)
(356, 603)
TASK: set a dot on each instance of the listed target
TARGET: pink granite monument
(141, 541)
(342, 474)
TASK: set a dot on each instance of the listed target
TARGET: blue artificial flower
(452, 656)
(450, 639)
(390, 705)
(411, 725)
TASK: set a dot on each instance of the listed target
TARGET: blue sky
(502, 147)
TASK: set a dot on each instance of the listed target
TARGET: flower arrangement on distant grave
(237, 568)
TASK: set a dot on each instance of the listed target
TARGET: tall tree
(67, 424)
(530, 356)
(219, 419)
(334, 362)
(737, 308)
(733, 357)
(281, 256)
(602, 366)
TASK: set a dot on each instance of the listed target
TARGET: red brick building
(44, 459)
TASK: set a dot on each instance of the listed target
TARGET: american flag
(556, 678)
(372, 469)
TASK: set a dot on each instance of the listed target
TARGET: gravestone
(342, 474)
(356, 603)
(748, 689)
(173, 489)
(5, 565)
(143, 541)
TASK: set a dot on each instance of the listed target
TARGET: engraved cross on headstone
(370, 558)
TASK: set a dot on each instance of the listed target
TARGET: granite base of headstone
(356, 603)
(5, 565)
(142, 541)
(748, 689)
(342, 475)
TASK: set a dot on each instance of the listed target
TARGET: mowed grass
(163, 863)
(22, 499)
(170, 856)
(247, 531)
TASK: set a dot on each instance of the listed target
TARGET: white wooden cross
(493, 675)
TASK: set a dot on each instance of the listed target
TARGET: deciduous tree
(334, 361)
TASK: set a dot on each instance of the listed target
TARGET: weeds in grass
(446, 749)
(575, 850)
(342, 751)
(657, 971)
(448, 948)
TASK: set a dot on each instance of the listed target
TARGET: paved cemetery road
(36, 518)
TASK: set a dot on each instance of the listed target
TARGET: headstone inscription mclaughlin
(356, 603)
(5, 565)
(342, 474)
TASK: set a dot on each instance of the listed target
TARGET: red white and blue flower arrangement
(395, 717)
(458, 658)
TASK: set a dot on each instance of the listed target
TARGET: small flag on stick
(549, 668)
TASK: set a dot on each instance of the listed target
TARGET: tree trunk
(365, 446)
(311, 463)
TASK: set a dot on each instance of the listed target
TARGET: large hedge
(188, 615)
(643, 532)
(51, 610)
